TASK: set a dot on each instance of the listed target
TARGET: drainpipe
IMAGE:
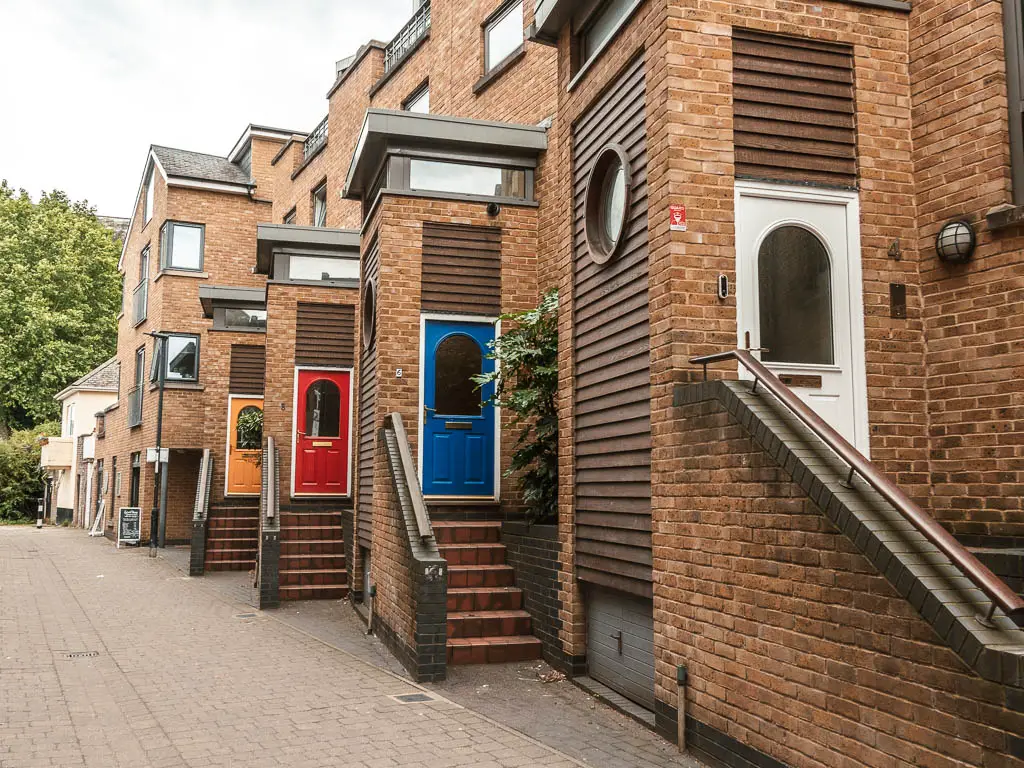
(681, 680)
(157, 521)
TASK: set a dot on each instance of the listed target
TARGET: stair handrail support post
(201, 515)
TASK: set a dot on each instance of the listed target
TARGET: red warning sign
(677, 218)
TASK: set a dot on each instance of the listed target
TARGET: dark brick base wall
(355, 585)
(270, 569)
(197, 560)
(709, 744)
(532, 550)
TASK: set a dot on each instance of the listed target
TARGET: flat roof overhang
(229, 296)
(549, 18)
(275, 237)
(385, 129)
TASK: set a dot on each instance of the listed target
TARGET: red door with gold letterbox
(323, 432)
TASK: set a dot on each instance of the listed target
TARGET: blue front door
(458, 429)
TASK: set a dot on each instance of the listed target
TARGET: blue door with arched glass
(458, 424)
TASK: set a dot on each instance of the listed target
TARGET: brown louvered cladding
(461, 269)
(248, 369)
(367, 424)
(793, 109)
(611, 346)
(325, 335)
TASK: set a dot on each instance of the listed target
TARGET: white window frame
(147, 205)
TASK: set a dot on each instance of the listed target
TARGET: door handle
(618, 636)
(425, 409)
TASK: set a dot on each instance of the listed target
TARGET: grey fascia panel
(550, 16)
(383, 128)
(273, 236)
(209, 295)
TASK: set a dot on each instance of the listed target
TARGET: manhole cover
(412, 698)
(82, 654)
(245, 615)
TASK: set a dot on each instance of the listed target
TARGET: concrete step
(489, 624)
(461, 599)
(474, 554)
(493, 650)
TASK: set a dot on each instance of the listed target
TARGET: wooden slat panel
(367, 422)
(461, 269)
(793, 104)
(611, 347)
(248, 369)
(325, 335)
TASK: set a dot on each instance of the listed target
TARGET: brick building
(826, 193)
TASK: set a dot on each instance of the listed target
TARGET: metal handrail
(316, 139)
(995, 588)
(407, 37)
(419, 506)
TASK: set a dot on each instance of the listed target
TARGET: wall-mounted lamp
(955, 242)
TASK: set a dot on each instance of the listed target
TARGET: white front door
(799, 296)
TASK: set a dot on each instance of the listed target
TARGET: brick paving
(175, 677)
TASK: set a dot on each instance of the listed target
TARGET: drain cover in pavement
(245, 615)
(412, 698)
(82, 654)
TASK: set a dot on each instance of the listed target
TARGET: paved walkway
(110, 658)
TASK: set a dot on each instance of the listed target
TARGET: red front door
(322, 417)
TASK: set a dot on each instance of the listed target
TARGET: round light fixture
(955, 242)
(369, 314)
(608, 196)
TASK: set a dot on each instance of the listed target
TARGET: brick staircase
(312, 565)
(232, 537)
(486, 620)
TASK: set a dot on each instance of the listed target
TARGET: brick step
(313, 547)
(485, 599)
(230, 565)
(242, 523)
(474, 554)
(481, 576)
(313, 578)
(312, 562)
(242, 538)
(493, 650)
(233, 511)
(300, 519)
(215, 555)
(311, 532)
(303, 592)
(489, 624)
(466, 531)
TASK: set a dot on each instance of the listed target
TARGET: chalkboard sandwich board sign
(129, 525)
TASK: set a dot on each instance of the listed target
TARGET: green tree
(59, 300)
(526, 384)
(21, 479)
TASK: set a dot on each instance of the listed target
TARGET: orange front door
(244, 445)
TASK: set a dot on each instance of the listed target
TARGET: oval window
(369, 314)
(607, 203)
(457, 360)
(794, 287)
(323, 409)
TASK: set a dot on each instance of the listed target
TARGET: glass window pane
(320, 207)
(148, 213)
(504, 35)
(322, 268)
(186, 247)
(795, 296)
(182, 358)
(323, 409)
(255, 319)
(464, 179)
(419, 103)
(605, 22)
(458, 358)
(246, 438)
(614, 195)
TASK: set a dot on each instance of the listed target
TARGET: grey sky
(88, 85)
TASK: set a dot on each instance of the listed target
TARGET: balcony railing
(316, 139)
(135, 406)
(140, 302)
(410, 34)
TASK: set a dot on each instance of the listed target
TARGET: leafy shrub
(526, 385)
(21, 479)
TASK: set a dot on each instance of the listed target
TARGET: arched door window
(795, 298)
(323, 409)
(458, 358)
(249, 429)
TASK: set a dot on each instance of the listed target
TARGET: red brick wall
(972, 314)
(795, 645)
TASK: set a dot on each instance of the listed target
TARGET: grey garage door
(620, 644)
